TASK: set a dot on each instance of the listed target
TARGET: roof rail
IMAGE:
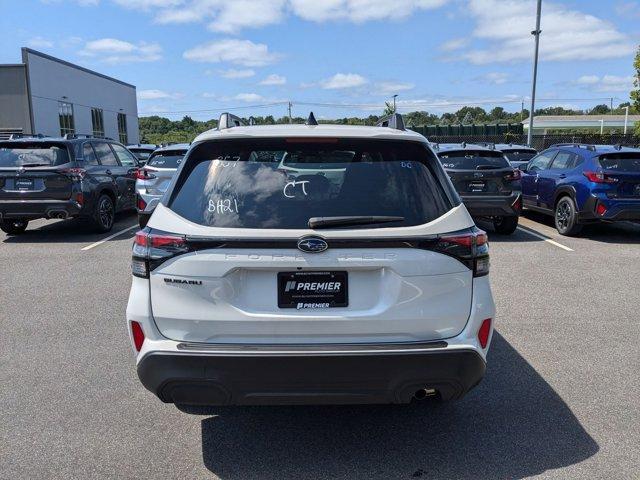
(586, 146)
(228, 120)
(312, 119)
(15, 136)
(394, 121)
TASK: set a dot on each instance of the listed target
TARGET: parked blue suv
(580, 184)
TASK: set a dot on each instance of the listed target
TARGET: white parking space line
(93, 245)
(546, 239)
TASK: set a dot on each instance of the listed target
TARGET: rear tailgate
(34, 184)
(228, 295)
(624, 167)
(482, 182)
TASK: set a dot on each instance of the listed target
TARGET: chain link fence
(540, 142)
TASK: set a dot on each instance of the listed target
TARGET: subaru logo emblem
(312, 245)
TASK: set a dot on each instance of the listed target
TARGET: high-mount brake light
(144, 174)
(471, 247)
(152, 248)
(599, 177)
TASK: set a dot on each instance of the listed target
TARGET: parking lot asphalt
(560, 398)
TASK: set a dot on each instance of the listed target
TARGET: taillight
(137, 334)
(513, 176)
(483, 332)
(471, 247)
(140, 203)
(143, 174)
(152, 248)
(599, 177)
(74, 173)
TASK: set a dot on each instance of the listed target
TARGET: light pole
(536, 33)
(626, 119)
(602, 126)
(394, 102)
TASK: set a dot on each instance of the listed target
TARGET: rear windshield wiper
(328, 222)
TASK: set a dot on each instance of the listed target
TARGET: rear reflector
(483, 332)
(141, 204)
(601, 209)
(518, 204)
(137, 334)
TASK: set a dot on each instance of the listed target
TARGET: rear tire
(505, 225)
(14, 227)
(104, 214)
(566, 217)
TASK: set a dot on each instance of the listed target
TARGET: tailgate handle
(562, 175)
(108, 172)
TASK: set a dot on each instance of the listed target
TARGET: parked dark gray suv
(72, 176)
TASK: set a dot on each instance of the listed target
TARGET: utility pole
(611, 105)
(290, 117)
(536, 33)
(522, 111)
(394, 102)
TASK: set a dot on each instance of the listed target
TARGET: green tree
(600, 110)
(388, 109)
(635, 94)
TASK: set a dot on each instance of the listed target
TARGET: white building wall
(52, 81)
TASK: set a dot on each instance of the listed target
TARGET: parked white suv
(353, 275)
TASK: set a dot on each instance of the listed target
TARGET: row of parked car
(80, 176)
(94, 178)
(577, 184)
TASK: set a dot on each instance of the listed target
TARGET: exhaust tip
(424, 393)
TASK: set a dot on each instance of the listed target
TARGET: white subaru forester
(309, 264)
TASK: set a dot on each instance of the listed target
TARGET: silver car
(153, 180)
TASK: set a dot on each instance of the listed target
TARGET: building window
(97, 122)
(122, 128)
(65, 115)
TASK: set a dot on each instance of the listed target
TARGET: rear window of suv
(33, 155)
(621, 162)
(472, 160)
(281, 184)
(166, 159)
(520, 155)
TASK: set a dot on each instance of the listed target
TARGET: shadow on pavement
(516, 237)
(70, 231)
(513, 425)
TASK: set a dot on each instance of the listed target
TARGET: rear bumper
(32, 209)
(618, 209)
(492, 206)
(271, 378)
(151, 201)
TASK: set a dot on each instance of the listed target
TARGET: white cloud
(606, 83)
(231, 16)
(157, 95)
(494, 78)
(112, 50)
(626, 9)
(274, 79)
(454, 44)
(249, 97)
(238, 52)
(234, 73)
(567, 35)
(39, 42)
(359, 11)
(388, 88)
(343, 80)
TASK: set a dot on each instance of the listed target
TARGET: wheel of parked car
(566, 217)
(14, 227)
(104, 214)
(505, 225)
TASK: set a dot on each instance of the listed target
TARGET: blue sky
(186, 56)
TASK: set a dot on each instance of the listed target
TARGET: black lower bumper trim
(491, 206)
(206, 379)
(33, 209)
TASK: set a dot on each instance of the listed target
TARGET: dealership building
(48, 96)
